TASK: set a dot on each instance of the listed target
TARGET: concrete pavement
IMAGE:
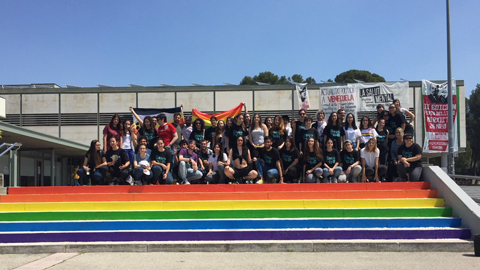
(255, 260)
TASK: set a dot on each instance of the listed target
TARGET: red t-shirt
(166, 133)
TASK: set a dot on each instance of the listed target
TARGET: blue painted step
(232, 224)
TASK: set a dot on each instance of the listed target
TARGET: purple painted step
(235, 235)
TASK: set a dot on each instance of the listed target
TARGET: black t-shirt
(382, 140)
(234, 132)
(277, 138)
(91, 161)
(348, 158)
(336, 134)
(270, 157)
(198, 136)
(299, 126)
(209, 134)
(312, 160)
(204, 155)
(307, 134)
(409, 152)
(396, 121)
(151, 136)
(331, 157)
(119, 156)
(164, 157)
(288, 157)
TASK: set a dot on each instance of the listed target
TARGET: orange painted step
(214, 196)
(218, 188)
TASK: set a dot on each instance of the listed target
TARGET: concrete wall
(463, 206)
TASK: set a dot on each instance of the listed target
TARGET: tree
(473, 129)
(247, 80)
(310, 80)
(361, 75)
(266, 77)
(270, 78)
(297, 78)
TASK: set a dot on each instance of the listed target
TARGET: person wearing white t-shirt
(216, 162)
(372, 170)
(352, 133)
(367, 131)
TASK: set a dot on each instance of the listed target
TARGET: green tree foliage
(362, 75)
(473, 129)
(270, 78)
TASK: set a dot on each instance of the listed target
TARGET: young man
(308, 132)
(341, 116)
(286, 123)
(166, 131)
(210, 132)
(118, 163)
(409, 159)
(142, 140)
(190, 167)
(298, 126)
(179, 127)
(204, 153)
(269, 164)
(187, 128)
(320, 125)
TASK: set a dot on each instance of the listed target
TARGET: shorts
(241, 172)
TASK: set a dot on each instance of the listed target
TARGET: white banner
(302, 94)
(372, 94)
(338, 97)
(435, 110)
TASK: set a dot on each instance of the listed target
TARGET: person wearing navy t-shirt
(334, 131)
(331, 168)
(409, 159)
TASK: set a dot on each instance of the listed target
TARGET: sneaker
(260, 181)
(130, 181)
(185, 182)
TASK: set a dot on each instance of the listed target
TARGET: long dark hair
(220, 154)
(94, 154)
(118, 128)
(347, 125)
(152, 127)
(330, 120)
(369, 122)
(202, 124)
(316, 149)
(280, 128)
(292, 144)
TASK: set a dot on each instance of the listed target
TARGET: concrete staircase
(89, 214)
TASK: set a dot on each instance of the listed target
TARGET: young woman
(372, 169)
(278, 132)
(147, 128)
(312, 162)
(350, 159)
(210, 132)
(331, 168)
(380, 109)
(161, 163)
(352, 133)
(392, 166)
(334, 131)
(94, 165)
(367, 130)
(219, 136)
(118, 163)
(290, 157)
(128, 138)
(237, 130)
(257, 133)
(113, 129)
(405, 112)
(268, 122)
(217, 162)
(240, 155)
(141, 167)
(198, 132)
(382, 141)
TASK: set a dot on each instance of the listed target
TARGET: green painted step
(227, 214)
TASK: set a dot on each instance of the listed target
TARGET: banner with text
(435, 109)
(302, 94)
(336, 97)
(372, 94)
(169, 112)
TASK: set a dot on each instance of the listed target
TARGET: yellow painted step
(205, 205)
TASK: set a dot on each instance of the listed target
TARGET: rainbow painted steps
(226, 212)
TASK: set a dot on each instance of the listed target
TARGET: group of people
(245, 149)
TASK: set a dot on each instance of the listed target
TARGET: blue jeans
(314, 176)
(158, 173)
(271, 173)
(139, 175)
(96, 176)
(131, 156)
(188, 173)
(327, 178)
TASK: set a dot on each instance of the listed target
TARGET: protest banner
(435, 110)
(336, 97)
(220, 116)
(302, 94)
(169, 112)
(372, 94)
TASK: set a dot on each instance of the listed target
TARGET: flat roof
(35, 141)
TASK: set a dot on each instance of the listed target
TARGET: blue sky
(86, 43)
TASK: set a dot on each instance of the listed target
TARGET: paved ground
(257, 260)
(472, 191)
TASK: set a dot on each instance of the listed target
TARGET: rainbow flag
(220, 116)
